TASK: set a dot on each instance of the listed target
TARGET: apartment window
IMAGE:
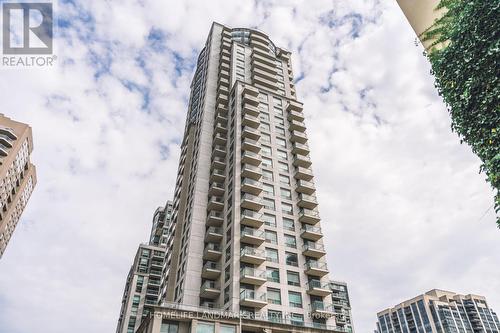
(273, 274)
(266, 150)
(269, 220)
(264, 116)
(263, 107)
(205, 327)
(145, 253)
(277, 101)
(265, 127)
(271, 237)
(288, 224)
(273, 296)
(226, 294)
(140, 281)
(268, 204)
(280, 130)
(291, 259)
(286, 208)
(272, 255)
(284, 179)
(268, 189)
(263, 98)
(274, 316)
(279, 121)
(169, 327)
(267, 162)
(291, 241)
(293, 278)
(268, 175)
(281, 142)
(278, 111)
(296, 319)
(295, 299)
(282, 155)
(227, 329)
(283, 166)
(265, 137)
(286, 193)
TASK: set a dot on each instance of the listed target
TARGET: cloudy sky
(404, 208)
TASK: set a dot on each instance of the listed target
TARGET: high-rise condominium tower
(439, 311)
(17, 175)
(245, 238)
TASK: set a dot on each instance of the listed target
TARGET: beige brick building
(17, 175)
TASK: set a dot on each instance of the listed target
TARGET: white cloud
(401, 199)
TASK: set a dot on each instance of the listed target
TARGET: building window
(227, 329)
(264, 115)
(271, 255)
(268, 203)
(284, 180)
(140, 281)
(268, 189)
(271, 237)
(265, 127)
(296, 319)
(282, 155)
(286, 208)
(291, 259)
(283, 166)
(293, 278)
(288, 224)
(281, 142)
(205, 327)
(274, 316)
(268, 175)
(295, 299)
(266, 150)
(286, 193)
(273, 274)
(169, 327)
(267, 162)
(291, 241)
(269, 220)
(279, 121)
(273, 296)
(265, 137)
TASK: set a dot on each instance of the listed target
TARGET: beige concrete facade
(17, 175)
(440, 311)
(421, 14)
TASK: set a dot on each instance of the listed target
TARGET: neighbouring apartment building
(244, 248)
(17, 175)
(439, 311)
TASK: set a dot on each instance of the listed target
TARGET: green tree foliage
(467, 72)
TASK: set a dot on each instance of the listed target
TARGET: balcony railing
(256, 273)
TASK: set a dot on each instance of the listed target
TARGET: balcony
(251, 121)
(309, 216)
(296, 136)
(264, 82)
(249, 90)
(314, 268)
(215, 203)
(252, 255)
(340, 304)
(321, 310)
(311, 233)
(209, 289)
(251, 186)
(317, 288)
(250, 100)
(215, 219)
(295, 115)
(251, 218)
(212, 252)
(294, 106)
(250, 133)
(263, 67)
(313, 250)
(302, 161)
(222, 99)
(252, 276)
(251, 158)
(262, 58)
(305, 187)
(224, 73)
(217, 176)
(252, 236)
(250, 145)
(211, 270)
(216, 189)
(251, 171)
(213, 235)
(303, 174)
(250, 201)
(219, 151)
(307, 201)
(259, 44)
(250, 110)
(220, 139)
(218, 163)
(300, 148)
(340, 296)
(253, 299)
(266, 75)
(296, 125)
